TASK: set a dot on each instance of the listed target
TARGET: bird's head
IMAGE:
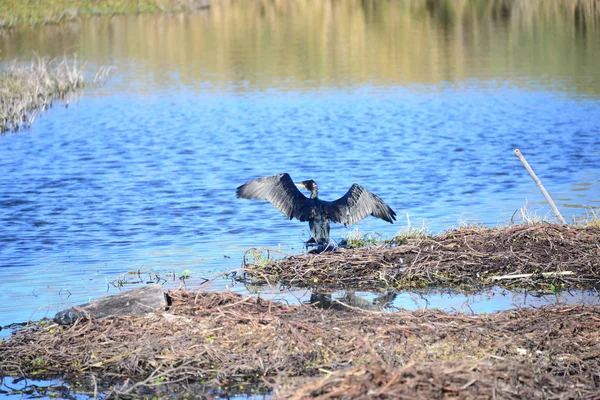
(309, 185)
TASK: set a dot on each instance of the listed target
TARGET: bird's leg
(321, 247)
(312, 244)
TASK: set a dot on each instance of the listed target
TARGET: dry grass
(591, 219)
(442, 380)
(544, 256)
(221, 341)
(28, 89)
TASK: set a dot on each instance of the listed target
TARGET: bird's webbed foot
(316, 248)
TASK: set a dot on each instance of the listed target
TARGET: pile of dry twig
(534, 256)
(221, 341)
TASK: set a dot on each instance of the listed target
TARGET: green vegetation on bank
(28, 89)
(582, 13)
(379, 42)
(34, 12)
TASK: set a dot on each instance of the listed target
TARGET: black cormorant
(281, 191)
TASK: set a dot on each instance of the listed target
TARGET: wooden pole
(539, 183)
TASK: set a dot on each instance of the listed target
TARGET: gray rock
(140, 301)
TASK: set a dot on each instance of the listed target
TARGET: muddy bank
(541, 257)
(221, 341)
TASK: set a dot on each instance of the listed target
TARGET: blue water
(488, 300)
(140, 174)
(16, 388)
(119, 182)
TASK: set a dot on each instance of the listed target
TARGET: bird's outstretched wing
(281, 191)
(357, 204)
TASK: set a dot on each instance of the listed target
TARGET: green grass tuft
(355, 239)
(36, 12)
(590, 220)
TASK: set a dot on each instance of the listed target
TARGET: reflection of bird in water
(326, 301)
(281, 191)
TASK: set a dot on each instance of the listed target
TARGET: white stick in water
(539, 183)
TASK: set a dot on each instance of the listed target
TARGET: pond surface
(422, 103)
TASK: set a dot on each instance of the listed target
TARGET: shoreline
(221, 343)
(226, 344)
(15, 13)
(28, 89)
(532, 256)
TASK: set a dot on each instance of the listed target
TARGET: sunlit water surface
(422, 107)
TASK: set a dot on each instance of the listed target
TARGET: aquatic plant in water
(28, 89)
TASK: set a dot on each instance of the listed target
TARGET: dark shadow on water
(35, 389)
(352, 300)
(91, 388)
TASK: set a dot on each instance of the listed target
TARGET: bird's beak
(300, 185)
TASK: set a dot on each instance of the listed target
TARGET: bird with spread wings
(357, 204)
